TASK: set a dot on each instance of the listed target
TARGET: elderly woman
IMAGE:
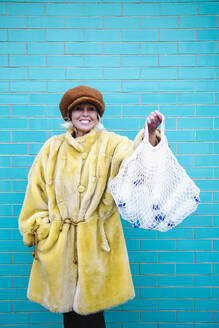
(81, 265)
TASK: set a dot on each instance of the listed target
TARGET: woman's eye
(91, 108)
(78, 108)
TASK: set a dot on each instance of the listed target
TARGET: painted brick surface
(144, 56)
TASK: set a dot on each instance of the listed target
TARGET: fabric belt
(75, 225)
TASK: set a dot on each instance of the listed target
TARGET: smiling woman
(84, 117)
(81, 265)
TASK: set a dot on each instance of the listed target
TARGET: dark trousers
(75, 320)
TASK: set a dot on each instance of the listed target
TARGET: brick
(178, 9)
(186, 160)
(177, 35)
(207, 60)
(13, 73)
(2, 8)
(35, 148)
(27, 61)
(137, 111)
(158, 98)
(61, 61)
(196, 73)
(208, 35)
(193, 268)
(159, 73)
(177, 85)
(114, 316)
(9, 98)
(45, 124)
(208, 184)
(196, 48)
(133, 245)
(20, 282)
(216, 99)
(46, 73)
(30, 86)
(158, 245)
(61, 86)
(208, 209)
(83, 22)
(139, 304)
(158, 47)
(180, 136)
(200, 172)
(165, 257)
(11, 198)
(140, 9)
(177, 110)
(3, 61)
(172, 281)
(170, 304)
(45, 48)
(69, 35)
(139, 87)
(159, 22)
(13, 48)
(29, 111)
(35, 99)
(13, 173)
(25, 9)
(46, 22)
(215, 268)
(131, 233)
(84, 73)
(216, 121)
(215, 292)
(136, 257)
(157, 316)
(12, 246)
(63, 9)
(121, 73)
(209, 160)
(157, 269)
(208, 8)
(157, 292)
(177, 233)
(197, 123)
(139, 61)
(200, 98)
(19, 306)
(102, 61)
(19, 185)
(13, 22)
(102, 9)
(5, 210)
(3, 35)
(136, 35)
(194, 316)
(108, 86)
(13, 123)
(15, 318)
(26, 35)
(144, 281)
(138, 325)
(207, 135)
(197, 21)
(5, 282)
(206, 233)
(29, 136)
(5, 186)
(207, 85)
(101, 35)
(5, 258)
(193, 292)
(121, 22)
(202, 305)
(14, 269)
(83, 48)
(195, 245)
(124, 99)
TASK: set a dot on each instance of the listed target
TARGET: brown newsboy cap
(79, 94)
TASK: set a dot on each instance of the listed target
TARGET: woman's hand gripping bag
(152, 190)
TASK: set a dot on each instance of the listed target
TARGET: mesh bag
(152, 190)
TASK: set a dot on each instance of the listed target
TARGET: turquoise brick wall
(143, 55)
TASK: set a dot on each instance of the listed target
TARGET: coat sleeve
(34, 216)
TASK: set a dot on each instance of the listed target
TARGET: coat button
(81, 188)
(84, 155)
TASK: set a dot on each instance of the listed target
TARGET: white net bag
(152, 190)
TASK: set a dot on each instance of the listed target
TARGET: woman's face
(84, 118)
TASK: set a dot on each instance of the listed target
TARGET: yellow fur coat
(81, 261)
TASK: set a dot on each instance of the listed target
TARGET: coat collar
(82, 143)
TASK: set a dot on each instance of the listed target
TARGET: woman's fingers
(153, 121)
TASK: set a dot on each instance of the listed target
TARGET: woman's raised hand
(153, 121)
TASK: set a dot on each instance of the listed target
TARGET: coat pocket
(49, 242)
